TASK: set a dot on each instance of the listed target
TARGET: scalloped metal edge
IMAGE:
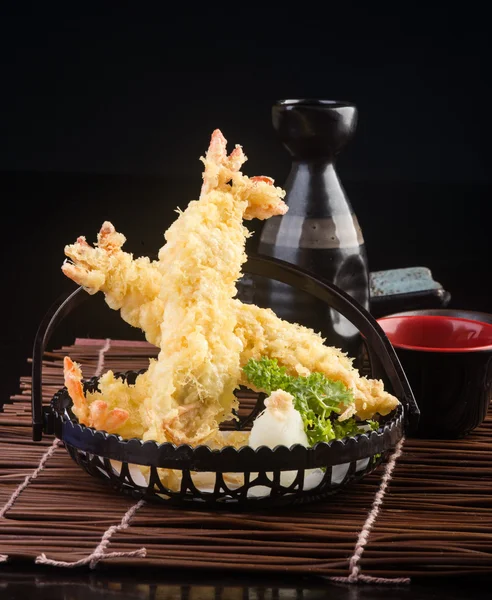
(229, 458)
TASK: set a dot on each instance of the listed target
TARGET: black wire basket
(244, 478)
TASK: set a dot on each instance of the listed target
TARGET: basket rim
(387, 363)
(202, 457)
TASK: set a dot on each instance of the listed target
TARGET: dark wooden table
(160, 585)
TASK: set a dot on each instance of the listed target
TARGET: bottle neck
(314, 189)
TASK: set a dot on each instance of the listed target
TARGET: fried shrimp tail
(102, 417)
(89, 266)
(96, 414)
(263, 198)
(73, 383)
(129, 285)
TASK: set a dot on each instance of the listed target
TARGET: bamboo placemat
(427, 514)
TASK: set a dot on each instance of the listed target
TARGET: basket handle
(55, 314)
(381, 352)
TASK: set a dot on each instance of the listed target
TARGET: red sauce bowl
(447, 358)
(437, 333)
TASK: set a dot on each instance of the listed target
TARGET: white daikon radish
(279, 424)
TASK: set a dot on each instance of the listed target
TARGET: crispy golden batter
(129, 285)
(184, 302)
(302, 351)
(189, 389)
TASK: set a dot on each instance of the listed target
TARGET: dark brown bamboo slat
(436, 517)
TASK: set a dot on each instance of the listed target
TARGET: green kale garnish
(317, 398)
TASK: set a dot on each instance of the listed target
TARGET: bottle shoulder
(328, 232)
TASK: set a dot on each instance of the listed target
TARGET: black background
(104, 115)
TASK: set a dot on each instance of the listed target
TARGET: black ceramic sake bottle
(320, 231)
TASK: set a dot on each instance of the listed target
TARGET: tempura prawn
(300, 349)
(129, 285)
(199, 360)
(184, 302)
(198, 364)
(97, 414)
